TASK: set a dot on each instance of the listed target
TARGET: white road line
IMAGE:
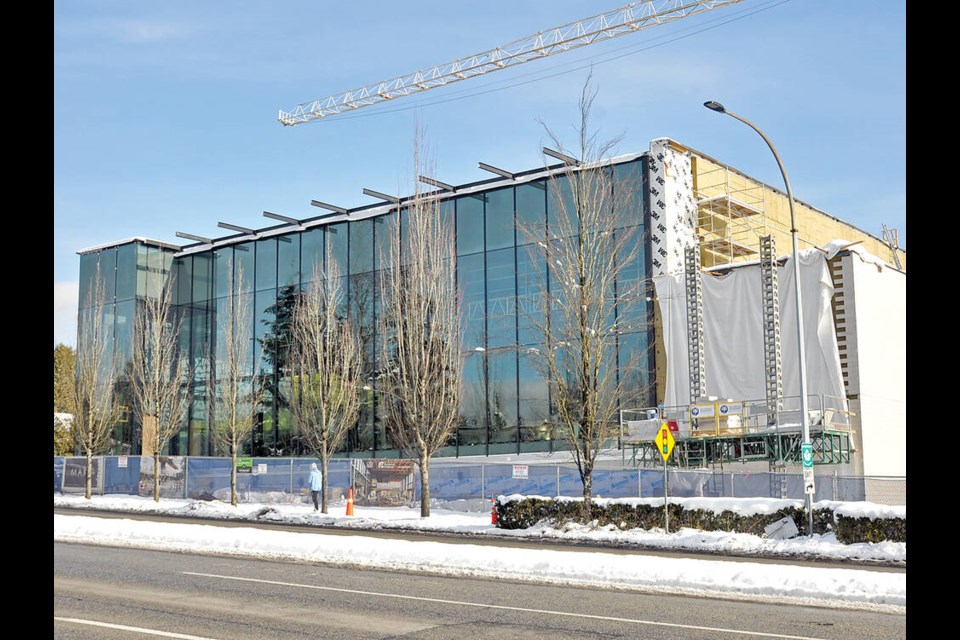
(503, 607)
(123, 627)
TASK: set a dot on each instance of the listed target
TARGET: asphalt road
(112, 593)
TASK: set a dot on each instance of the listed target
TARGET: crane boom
(628, 19)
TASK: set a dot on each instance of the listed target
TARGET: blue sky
(165, 113)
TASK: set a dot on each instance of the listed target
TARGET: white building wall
(673, 209)
(876, 309)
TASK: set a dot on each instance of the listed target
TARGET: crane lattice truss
(628, 19)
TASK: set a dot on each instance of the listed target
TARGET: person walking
(316, 485)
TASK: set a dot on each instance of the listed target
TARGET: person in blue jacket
(316, 485)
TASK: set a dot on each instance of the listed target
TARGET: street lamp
(801, 352)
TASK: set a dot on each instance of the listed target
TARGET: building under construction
(718, 325)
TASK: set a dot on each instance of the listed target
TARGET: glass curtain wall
(502, 282)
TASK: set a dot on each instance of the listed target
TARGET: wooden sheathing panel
(814, 227)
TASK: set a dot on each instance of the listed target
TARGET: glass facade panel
(244, 267)
(499, 219)
(202, 277)
(502, 400)
(531, 290)
(183, 272)
(127, 271)
(534, 399)
(384, 228)
(223, 272)
(472, 434)
(123, 331)
(156, 274)
(88, 274)
(266, 264)
(531, 211)
(141, 270)
(108, 273)
(561, 208)
(312, 253)
(630, 185)
(288, 260)
(469, 225)
(470, 280)
(264, 325)
(361, 246)
(337, 245)
(501, 298)
(636, 362)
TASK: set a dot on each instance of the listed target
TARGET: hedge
(521, 512)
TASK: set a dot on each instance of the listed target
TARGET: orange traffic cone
(493, 511)
(350, 502)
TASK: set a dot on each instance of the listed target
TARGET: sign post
(806, 455)
(665, 442)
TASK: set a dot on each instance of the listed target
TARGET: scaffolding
(731, 214)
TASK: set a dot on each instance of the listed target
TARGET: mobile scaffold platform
(731, 433)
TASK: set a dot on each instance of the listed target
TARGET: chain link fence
(391, 482)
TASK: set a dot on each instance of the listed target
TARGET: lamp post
(719, 108)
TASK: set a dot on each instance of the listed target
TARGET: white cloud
(66, 296)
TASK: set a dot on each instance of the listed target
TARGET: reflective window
(384, 228)
(337, 244)
(123, 330)
(266, 264)
(531, 211)
(636, 368)
(128, 272)
(473, 307)
(473, 410)
(502, 400)
(561, 208)
(223, 270)
(469, 225)
(264, 323)
(288, 260)
(534, 396)
(361, 246)
(202, 285)
(499, 219)
(531, 292)
(362, 299)
(183, 272)
(629, 189)
(88, 274)
(501, 298)
(243, 267)
(312, 253)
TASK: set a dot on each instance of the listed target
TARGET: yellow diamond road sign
(664, 441)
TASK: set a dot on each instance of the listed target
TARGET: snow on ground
(806, 585)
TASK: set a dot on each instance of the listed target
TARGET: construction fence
(394, 482)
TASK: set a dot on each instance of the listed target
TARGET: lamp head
(714, 106)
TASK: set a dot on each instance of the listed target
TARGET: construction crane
(629, 19)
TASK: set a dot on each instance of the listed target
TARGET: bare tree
(235, 395)
(158, 370)
(420, 352)
(325, 364)
(587, 259)
(96, 412)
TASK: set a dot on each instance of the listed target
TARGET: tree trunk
(233, 475)
(89, 483)
(156, 476)
(323, 481)
(424, 486)
(587, 492)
